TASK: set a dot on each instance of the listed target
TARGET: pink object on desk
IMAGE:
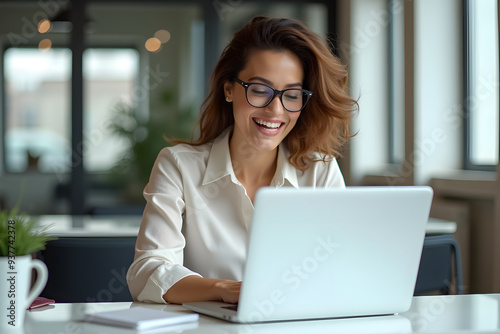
(41, 302)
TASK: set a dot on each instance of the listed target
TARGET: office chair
(88, 269)
(437, 266)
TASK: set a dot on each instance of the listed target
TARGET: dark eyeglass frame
(245, 85)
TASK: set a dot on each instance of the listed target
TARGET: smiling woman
(277, 115)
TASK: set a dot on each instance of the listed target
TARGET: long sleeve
(158, 262)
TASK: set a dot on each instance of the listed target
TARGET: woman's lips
(268, 127)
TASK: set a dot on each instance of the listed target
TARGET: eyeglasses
(260, 95)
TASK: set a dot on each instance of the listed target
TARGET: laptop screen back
(322, 253)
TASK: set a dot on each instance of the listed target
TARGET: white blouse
(197, 216)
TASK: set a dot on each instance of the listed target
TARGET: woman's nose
(276, 106)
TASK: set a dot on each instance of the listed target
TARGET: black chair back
(88, 269)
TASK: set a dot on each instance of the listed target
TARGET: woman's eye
(291, 96)
(259, 91)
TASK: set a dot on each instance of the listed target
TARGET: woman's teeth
(268, 124)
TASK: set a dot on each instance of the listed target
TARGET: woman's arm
(196, 288)
(158, 261)
(158, 273)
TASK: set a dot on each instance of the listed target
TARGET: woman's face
(264, 128)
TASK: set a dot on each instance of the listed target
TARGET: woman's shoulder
(320, 165)
(189, 148)
(188, 151)
(316, 156)
(185, 151)
(326, 171)
(319, 161)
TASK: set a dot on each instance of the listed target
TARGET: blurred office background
(89, 89)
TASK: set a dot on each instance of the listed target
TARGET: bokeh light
(163, 35)
(44, 26)
(45, 44)
(153, 44)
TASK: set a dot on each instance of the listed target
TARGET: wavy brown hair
(323, 125)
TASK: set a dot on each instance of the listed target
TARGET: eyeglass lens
(260, 95)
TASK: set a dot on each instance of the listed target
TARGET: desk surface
(128, 226)
(91, 226)
(430, 314)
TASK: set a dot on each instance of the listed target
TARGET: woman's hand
(196, 288)
(228, 291)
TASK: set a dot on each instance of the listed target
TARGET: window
(110, 76)
(482, 76)
(369, 79)
(37, 103)
(38, 107)
(405, 142)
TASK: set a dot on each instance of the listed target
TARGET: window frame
(393, 153)
(467, 91)
(3, 96)
(3, 106)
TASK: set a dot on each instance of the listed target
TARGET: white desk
(439, 226)
(433, 314)
(128, 226)
(91, 226)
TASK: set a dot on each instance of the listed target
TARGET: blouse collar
(219, 163)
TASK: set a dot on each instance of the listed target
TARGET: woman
(277, 115)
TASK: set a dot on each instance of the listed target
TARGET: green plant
(145, 137)
(20, 235)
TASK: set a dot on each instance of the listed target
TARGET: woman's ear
(228, 91)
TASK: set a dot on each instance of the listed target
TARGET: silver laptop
(328, 253)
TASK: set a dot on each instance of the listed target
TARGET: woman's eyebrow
(267, 82)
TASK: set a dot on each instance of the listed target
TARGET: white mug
(15, 293)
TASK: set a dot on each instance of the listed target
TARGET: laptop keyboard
(232, 307)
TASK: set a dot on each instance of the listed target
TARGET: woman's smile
(268, 127)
